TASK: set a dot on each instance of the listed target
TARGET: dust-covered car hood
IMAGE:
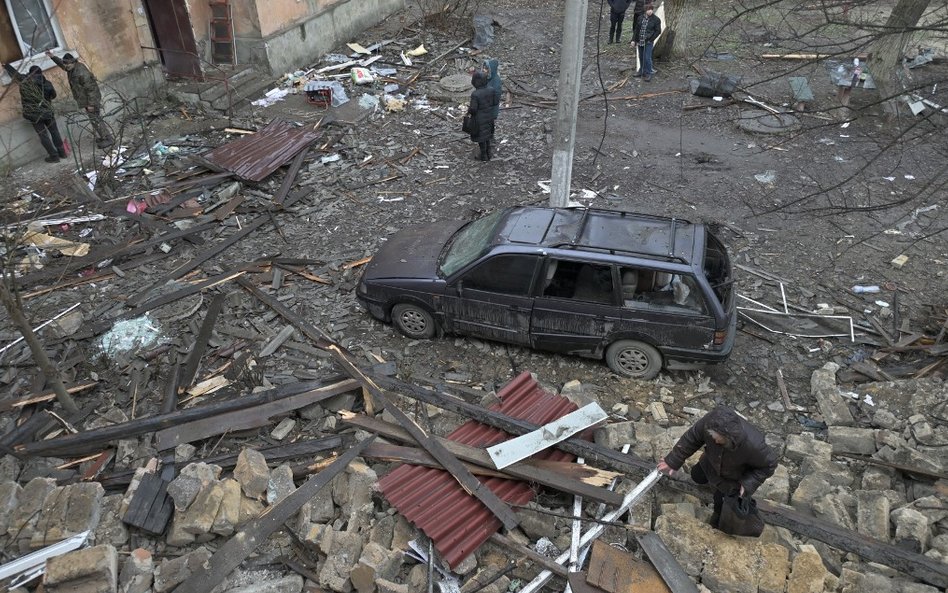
(411, 253)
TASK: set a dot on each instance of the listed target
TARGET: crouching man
(736, 458)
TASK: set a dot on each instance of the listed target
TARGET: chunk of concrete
(846, 439)
(91, 570)
(810, 488)
(228, 514)
(774, 568)
(24, 517)
(199, 518)
(375, 562)
(345, 550)
(137, 572)
(615, 435)
(252, 472)
(9, 499)
(280, 484)
(173, 572)
(872, 514)
(913, 531)
(288, 584)
(807, 573)
(833, 406)
(777, 487)
(802, 446)
(832, 508)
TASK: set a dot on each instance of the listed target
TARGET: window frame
(464, 277)
(38, 59)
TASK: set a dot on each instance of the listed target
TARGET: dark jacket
(619, 6)
(639, 8)
(748, 461)
(36, 94)
(494, 82)
(484, 103)
(652, 26)
(85, 88)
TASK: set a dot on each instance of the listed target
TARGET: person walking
(483, 109)
(85, 90)
(617, 10)
(646, 32)
(736, 458)
(36, 97)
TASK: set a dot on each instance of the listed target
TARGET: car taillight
(719, 337)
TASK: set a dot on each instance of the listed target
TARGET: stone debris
(92, 570)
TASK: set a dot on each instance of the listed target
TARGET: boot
(53, 158)
(488, 150)
(483, 147)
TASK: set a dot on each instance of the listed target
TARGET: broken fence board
(251, 417)
(665, 563)
(200, 344)
(18, 402)
(523, 446)
(256, 532)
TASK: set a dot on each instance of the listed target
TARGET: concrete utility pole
(571, 68)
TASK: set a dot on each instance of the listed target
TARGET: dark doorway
(174, 37)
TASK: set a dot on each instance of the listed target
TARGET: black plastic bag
(468, 125)
(739, 516)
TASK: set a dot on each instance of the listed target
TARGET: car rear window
(717, 268)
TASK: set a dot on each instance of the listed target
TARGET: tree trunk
(50, 372)
(885, 65)
(679, 17)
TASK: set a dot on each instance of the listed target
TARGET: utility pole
(571, 68)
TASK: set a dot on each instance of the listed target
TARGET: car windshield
(468, 243)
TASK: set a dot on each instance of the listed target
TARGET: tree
(889, 47)
(679, 19)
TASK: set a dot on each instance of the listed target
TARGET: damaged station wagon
(644, 292)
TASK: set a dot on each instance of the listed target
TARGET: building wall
(107, 36)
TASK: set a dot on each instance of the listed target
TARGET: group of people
(485, 105)
(646, 27)
(37, 94)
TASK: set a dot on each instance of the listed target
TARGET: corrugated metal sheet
(255, 156)
(433, 500)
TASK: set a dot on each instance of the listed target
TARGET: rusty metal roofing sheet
(256, 156)
(433, 500)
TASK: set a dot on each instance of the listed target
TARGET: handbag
(468, 125)
(739, 516)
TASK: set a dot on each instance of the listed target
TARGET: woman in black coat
(483, 110)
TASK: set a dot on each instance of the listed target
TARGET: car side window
(580, 281)
(653, 289)
(505, 274)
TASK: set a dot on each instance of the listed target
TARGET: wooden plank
(916, 565)
(192, 289)
(18, 402)
(93, 439)
(251, 417)
(524, 551)
(577, 583)
(200, 343)
(523, 470)
(290, 176)
(471, 484)
(256, 532)
(902, 468)
(616, 571)
(665, 563)
(526, 445)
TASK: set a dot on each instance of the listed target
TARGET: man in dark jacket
(36, 97)
(483, 109)
(736, 458)
(643, 36)
(617, 10)
(85, 90)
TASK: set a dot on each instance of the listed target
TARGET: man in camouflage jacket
(85, 90)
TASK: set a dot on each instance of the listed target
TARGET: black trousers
(48, 133)
(698, 475)
(615, 25)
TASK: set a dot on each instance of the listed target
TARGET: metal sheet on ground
(518, 448)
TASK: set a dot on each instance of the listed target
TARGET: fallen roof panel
(256, 156)
(434, 501)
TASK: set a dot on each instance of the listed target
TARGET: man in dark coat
(36, 97)
(617, 10)
(483, 109)
(643, 36)
(736, 458)
(85, 90)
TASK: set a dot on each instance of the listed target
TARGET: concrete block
(384, 586)
(375, 562)
(774, 568)
(833, 406)
(9, 499)
(178, 537)
(845, 439)
(658, 413)
(801, 446)
(876, 478)
(810, 488)
(346, 548)
(288, 584)
(777, 487)
(536, 524)
(883, 418)
(615, 435)
(382, 531)
(91, 570)
(199, 518)
(913, 531)
(171, 573)
(137, 572)
(24, 517)
(110, 529)
(280, 484)
(872, 514)
(252, 473)
(807, 573)
(832, 508)
(228, 514)
(250, 509)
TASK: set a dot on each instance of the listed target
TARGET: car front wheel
(413, 321)
(631, 358)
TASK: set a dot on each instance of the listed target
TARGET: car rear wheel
(631, 358)
(413, 321)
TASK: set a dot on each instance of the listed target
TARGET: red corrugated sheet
(433, 500)
(256, 156)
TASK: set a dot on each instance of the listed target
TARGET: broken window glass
(579, 280)
(652, 289)
(505, 274)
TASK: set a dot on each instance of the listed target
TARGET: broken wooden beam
(665, 563)
(244, 542)
(18, 402)
(290, 177)
(525, 552)
(83, 442)
(200, 344)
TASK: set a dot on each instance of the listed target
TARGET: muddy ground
(643, 150)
